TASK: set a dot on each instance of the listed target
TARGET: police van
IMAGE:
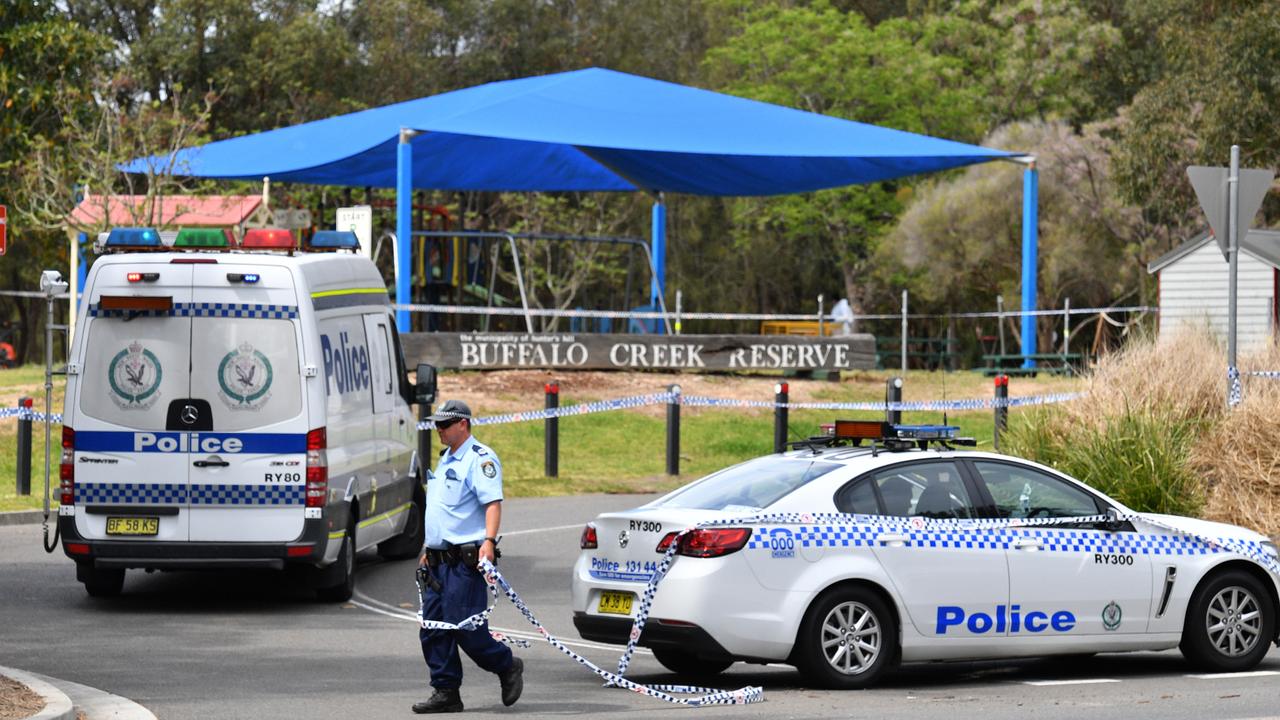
(236, 406)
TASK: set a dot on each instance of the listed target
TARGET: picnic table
(1052, 363)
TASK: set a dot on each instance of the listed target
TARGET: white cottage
(1192, 281)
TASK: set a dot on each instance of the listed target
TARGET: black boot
(512, 682)
(442, 701)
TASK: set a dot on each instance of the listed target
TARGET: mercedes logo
(190, 414)
(623, 538)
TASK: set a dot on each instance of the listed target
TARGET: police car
(236, 405)
(884, 544)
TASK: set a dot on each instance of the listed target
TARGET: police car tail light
(708, 542)
(589, 540)
(67, 470)
(317, 468)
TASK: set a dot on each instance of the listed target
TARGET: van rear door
(131, 470)
(248, 472)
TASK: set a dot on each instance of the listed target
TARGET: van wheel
(683, 663)
(102, 582)
(1229, 624)
(409, 542)
(345, 570)
(848, 639)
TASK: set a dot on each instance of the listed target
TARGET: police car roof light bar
(269, 239)
(202, 238)
(132, 238)
(334, 240)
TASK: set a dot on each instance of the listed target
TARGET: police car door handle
(210, 463)
(1028, 544)
(893, 539)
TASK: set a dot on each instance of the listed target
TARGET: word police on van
(236, 405)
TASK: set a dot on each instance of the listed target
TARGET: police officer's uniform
(464, 482)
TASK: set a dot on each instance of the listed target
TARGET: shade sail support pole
(658, 243)
(404, 225)
(1030, 250)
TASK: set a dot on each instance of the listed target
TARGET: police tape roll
(494, 579)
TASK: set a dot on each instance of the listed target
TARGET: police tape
(1269, 374)
(932, 533)
(24, 413)
(663, 398)
(494, 579)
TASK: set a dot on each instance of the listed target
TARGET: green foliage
(1140, 457)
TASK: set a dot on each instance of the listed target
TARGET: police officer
(464, 510)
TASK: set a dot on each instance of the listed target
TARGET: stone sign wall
(491, 351)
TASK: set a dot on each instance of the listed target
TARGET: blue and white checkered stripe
(1268, 374)
(207, 309)
(131, 493)
(206, 494)
(182, 494)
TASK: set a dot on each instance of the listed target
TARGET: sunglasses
(446, 424)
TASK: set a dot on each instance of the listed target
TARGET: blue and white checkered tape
(129, 493)
(28, 414)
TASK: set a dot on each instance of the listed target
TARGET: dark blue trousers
(463, 593)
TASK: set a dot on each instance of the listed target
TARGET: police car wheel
(686, 664)
(847, 640)
(1230, 623)
(343, 591)
(103, 582)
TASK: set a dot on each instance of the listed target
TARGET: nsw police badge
(1111, 615)
(489, 469)
(134, 377)
(244, 378)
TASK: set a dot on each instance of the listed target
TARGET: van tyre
(344, 569)
(689, 665)
(100, 582)
(847, 640)
(1230, 623)
(409, 542)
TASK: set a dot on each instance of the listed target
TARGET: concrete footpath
(27, 517)
(64, 699)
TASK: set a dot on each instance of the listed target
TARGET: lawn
(621, 451)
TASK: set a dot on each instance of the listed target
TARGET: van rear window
(133, 368)
(247, 368)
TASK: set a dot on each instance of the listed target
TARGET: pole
(679, 309)
(822, 330)
(1000, 321)
(1066, 327)
(404, 225)
(893, 394)
(904, 332)
(658, 240)
(780, 395)
(1030, 250)
(551, 431)
(673, 431)
(24, 447)
(1001, 409)
(1233, 258)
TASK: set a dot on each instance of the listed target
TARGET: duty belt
(467, 553)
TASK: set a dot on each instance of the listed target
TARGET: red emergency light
(269, 239)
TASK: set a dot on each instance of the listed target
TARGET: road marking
(545, 529)
(1044, 683)
(367, 603)
(1229, 676)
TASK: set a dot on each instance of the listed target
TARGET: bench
(933, 353)
(1051, 363)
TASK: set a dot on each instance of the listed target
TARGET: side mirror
(424, 390)
(1114, 522)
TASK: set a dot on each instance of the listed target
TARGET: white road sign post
(1230, 198)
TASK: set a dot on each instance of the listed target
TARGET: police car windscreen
(753, 485)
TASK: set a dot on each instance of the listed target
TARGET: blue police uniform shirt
(464, 482)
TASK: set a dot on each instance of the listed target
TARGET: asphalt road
(251, 645)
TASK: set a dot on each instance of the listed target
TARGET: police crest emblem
(489, 469)
(244, 378)
(134, 376)
(1111, 615)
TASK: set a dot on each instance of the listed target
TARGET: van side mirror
(424, 390)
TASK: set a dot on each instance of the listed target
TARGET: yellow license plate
(134, 526)
(616, 603)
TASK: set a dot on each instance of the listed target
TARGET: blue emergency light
(132, 238)
(333, 240)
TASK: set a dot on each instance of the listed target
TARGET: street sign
(4, 228)
(358, 219)
(1210, 184)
